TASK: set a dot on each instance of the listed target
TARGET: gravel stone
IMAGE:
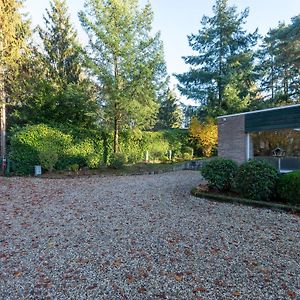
(140, 237)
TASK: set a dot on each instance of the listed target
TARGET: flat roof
(259, 111)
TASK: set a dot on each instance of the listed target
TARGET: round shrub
(256, 180)
(289, 187)
(219, 173)
(117, 160)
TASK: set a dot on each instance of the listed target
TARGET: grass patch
(236, 200)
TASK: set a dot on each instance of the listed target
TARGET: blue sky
(177, 19)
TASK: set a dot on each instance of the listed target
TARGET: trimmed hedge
(289, 187)
(220, 173)
(256, 180)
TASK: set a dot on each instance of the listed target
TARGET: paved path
(140, 237)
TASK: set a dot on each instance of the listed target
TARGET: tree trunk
(116, 130)
(2, 123)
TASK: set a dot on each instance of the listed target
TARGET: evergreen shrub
(256, 180)
(289, 187)
(220, 173)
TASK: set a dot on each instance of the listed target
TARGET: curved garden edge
(248, 202)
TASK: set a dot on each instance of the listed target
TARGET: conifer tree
(60, 45)
(224, 61)
(170, 114)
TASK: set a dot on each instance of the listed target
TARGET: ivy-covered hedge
(134, 144)
(37, 144)
(62, 148)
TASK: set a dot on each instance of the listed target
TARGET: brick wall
(232, 140)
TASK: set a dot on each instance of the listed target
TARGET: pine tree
(60, 45)
(225, 58)
(170, 113)
(279, 64)
(127, 61)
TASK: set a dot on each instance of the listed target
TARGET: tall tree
(12, 34)
(170, 114)
(127, 61)
(60, 45)
(51, 86)
(224, 61)
(279, 64)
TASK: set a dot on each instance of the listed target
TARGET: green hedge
(135, 144)
(289, 187)
(37, 144)
(30, 145)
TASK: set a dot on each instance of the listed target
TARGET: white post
(147, 156)
(170, 154)
(248, 147)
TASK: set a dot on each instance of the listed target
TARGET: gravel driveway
(140, 237)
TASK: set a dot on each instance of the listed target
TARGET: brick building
(235, 131)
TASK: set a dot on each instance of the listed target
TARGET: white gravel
(140, 237)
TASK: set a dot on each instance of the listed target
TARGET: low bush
(289, 187)
(117, 160)
(256, 180)
(220, 173)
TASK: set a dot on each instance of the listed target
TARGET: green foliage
(224, 62)
(170, 114)
(37, 144)
(220, 173)
(117, 160)
(74, 167)
(48, 158)
(127, 61)
(61, 48)
(28, 143)
(289, 187)
(187, 153)
(256, 180)
(135, 144)
(278, 67)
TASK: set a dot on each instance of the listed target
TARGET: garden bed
(231, 198)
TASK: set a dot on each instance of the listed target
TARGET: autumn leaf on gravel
(117, 263)
(291, 294)
(199, 289)
(179, 276)
(236, 293)
(130, 278)
(141, 290)
(18, 274)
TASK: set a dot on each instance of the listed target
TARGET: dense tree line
(119, 83)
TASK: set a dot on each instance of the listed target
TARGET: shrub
(74, 168)
(38, 144)
(117, 160)
(256, 180)
(48, 158)
(29, 142)
(220, 173)
(289, 187)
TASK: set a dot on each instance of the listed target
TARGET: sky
(176, 19)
